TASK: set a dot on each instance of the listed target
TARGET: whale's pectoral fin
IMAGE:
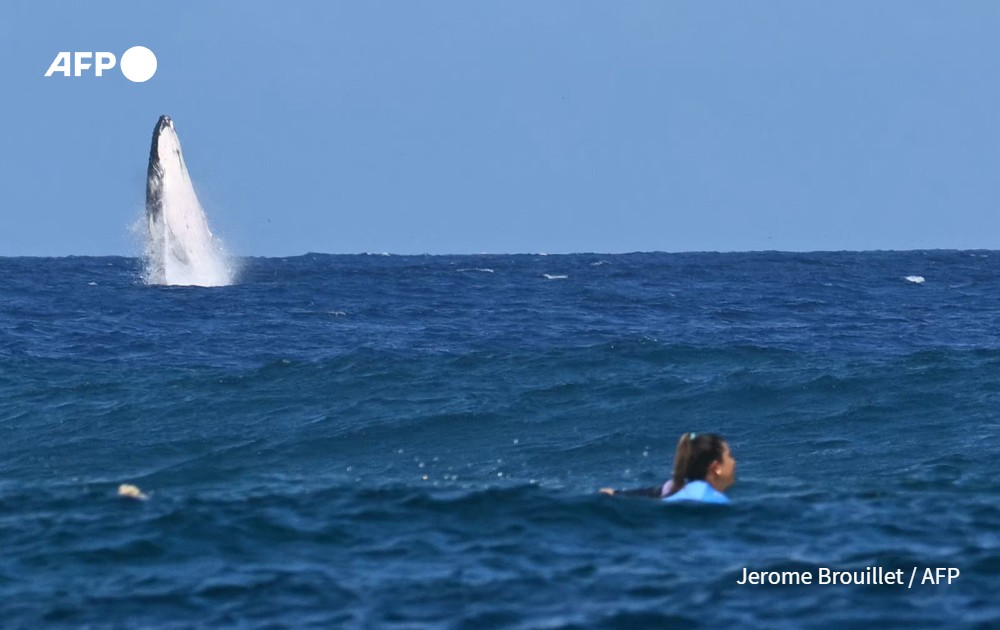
(177, 249)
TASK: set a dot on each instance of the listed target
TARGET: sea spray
(181, 249)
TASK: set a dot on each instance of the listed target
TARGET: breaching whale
(181, 249)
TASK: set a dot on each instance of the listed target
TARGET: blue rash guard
(699, 491)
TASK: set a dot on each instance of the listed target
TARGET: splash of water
(181, 249)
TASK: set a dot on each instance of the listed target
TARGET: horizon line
(581, 253)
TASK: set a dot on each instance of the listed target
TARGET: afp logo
(138, 64)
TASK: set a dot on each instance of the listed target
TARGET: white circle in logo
(138, 64)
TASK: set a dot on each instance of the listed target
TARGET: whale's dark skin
(154, 173)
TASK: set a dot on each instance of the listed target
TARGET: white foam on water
(554, 277)
(181, 249)
(914, 279)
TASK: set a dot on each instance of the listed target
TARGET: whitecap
(554, 277)
(914, 279)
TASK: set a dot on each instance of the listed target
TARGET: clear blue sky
(561, 126)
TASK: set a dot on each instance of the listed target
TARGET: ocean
(369, 441)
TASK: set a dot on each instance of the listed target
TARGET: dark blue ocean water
(406, 442)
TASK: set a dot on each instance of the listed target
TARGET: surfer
(703, 468)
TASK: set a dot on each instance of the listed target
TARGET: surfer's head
(703, 457)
